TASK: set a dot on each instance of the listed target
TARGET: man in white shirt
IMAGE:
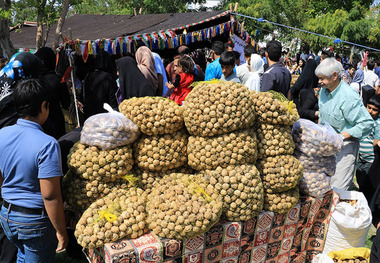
(243, 70)
(370, 77)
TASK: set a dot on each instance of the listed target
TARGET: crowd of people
(34, 140)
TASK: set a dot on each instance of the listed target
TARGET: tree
(5, 14)
(338, 19)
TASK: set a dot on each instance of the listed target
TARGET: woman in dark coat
(100, 86)
(132, 81)
(60, 96)
(307, 80)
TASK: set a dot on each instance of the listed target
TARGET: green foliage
(117, 7)
(349, 20)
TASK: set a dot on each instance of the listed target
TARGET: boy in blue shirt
(227, 62)
(32, 214)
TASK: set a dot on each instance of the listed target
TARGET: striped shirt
(366, 144)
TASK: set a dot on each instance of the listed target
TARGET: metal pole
(70, 55)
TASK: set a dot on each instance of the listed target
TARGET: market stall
(214, 180)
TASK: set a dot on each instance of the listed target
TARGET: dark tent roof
(92, 27)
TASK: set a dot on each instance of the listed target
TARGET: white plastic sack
(109, 130)
(321, 258)
(317, 164)
(316, 139)
(349, 224)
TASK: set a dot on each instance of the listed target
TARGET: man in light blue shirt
(342, 108)
(214, 69)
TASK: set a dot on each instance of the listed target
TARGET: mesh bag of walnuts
(120, 214)
(317, 164)
(241, 189)
(181, 207)
(218, 107)
(147, 178)
(239, 147)
(109, 130)
(92, 163)
(81, 193)
(281, 202)
(153, 115)
(161, 152)
(273, 107)
(274, 140)
(316, 139)
(280, 173)
(315, 184)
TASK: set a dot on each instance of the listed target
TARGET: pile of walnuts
(181, 207)
(222, 150)
(241, 189)
(120, 214)
(218, 107)
(153, 115)
(281, 202)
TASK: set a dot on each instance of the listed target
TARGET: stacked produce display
(316, 147)
(175, 171)
(219, 116)
(280, 170)
(161, 150)
(97, 166)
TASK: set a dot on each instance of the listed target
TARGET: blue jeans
(33, 235)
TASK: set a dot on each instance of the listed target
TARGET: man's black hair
(227, 58)
(249, 50)
(375, 101)
(274, 49)
(350, 66)
(237, 55)
(371, 64)
(217, 47)
(28, 96)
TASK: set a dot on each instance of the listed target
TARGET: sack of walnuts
(234, 148)
(274, 140)
(280, 173)
(315, 184)
(161, 152)
(241, 189)
(153, 115)
(92, 163)
(281, 202)
(109, 130)
(217, 107)
(181, 207)
(316, 139)
(81, 193)
(272, 107)
(317, 164)
(120, 214)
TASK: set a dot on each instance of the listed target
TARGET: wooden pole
(140, 11)
(236, 7)
(134, 11)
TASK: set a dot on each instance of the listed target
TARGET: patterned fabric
(293, 237)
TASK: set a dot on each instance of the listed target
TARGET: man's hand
(63, 240)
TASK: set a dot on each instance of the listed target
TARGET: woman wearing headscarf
(257, 69)
(145, 62)
(100, 86)
(132, 81)
(60, 96)
(357, 80)
(23, 65)
(307, 80)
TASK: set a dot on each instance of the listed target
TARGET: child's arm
(51, 194)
